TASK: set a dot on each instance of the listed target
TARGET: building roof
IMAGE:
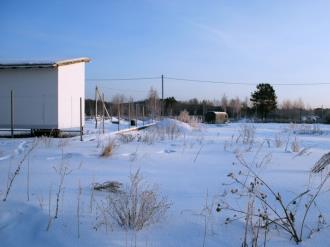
(41, 63)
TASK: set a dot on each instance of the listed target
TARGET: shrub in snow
(108, 148)
(266, 209)
(125, 137)
(167, 128)
(137, 205)
(322, 163)
(110, 186)
(278, 141)
(246, 135)
(305, 129)
(295, 146)
(184, 116)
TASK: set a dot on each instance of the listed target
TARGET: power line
(124, 90)
(207, 81)
(124, 79)
(245, 83)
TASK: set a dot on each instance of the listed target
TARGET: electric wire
(207, 81)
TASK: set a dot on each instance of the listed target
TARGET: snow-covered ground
(189, 165)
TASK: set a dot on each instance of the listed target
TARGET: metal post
(103, 112)
(96, 107)
(12, 113)
(136, 115)
(81, 127)
(154, 112)
(143, 115)
(118, 116)
(162, 106)
(129, 114)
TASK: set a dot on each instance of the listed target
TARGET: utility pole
(162, 109)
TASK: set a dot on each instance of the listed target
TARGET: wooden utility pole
(12, 113)
(103, 103)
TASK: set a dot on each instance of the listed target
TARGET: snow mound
(168, 123)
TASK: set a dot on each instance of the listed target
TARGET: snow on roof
(41, 63)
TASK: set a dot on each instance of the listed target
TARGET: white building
(46, 94)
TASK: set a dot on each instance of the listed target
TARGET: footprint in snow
(65, 156)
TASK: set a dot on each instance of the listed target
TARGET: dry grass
(158, 133)
(45, 141)
(278, 141)
(308, 129)
(266, 210)
(321, 164)
(184, 116)
(110, 186)
(108, 148)
(137, 205)
(125, 137)
(295, 145)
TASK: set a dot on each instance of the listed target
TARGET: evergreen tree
(264, 99)
(169, 103)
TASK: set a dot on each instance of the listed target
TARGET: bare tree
(224, 102)
(117, 100)
(153, 102)
(286, 104)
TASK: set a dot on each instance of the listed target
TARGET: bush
(108, 148)
(266, 210)
(138, 205)
(184, 116)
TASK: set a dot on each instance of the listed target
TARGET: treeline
(153, 107)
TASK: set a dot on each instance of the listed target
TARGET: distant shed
(216, 117)
(46, 94)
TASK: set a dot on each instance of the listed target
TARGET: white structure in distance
(46, 94)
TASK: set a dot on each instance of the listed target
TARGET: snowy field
(192, 166)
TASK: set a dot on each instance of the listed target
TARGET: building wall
(71, 86)
(35, 97)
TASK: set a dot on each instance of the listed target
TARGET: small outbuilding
(216, 117)
(42, 94)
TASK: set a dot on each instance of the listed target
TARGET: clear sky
(276, 41)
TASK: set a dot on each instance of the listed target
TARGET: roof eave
(54, 64)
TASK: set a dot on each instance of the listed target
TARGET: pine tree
(264, 99)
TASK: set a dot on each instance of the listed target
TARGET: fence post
(96, 107)
(136, 115)
(118, 116)
(103, 112)
(162, 105)
(143, 115)
(81, 127)
(129, 115)
(12, 113)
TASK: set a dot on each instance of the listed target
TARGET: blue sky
(236, 41)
